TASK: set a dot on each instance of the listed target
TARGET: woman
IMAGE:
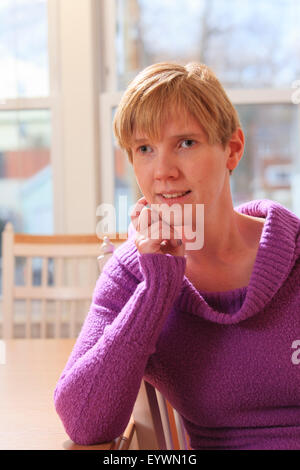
(212, 327)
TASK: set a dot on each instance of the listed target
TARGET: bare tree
(245, 46)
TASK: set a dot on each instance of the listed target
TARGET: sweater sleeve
(96, 392)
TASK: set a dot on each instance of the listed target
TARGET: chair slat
(53, 293)
(58, 269)
(28, 286)
(44, 301)
(180, 431)
(75, 266)
(8, 281)
(28, 272)
(72, 251)
(123, 442)
(72, 319)
(176, 444)
(165, 420)
(92, 270)
(28, 318)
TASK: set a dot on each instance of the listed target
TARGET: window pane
(23, 48)
(126, 190)
(270, 167)
(25, 171)
(247, 44)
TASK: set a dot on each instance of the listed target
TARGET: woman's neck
(228, 238)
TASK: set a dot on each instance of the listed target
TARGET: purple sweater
(225, 360)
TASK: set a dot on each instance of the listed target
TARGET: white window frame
(75, 87)
(107, 101)
(56, 115)
(74, 154)
(108, 14)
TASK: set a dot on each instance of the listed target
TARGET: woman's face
(180, 164)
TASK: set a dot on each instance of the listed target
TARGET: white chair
(158, 425)
(55, 294)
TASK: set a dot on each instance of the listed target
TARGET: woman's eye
(187, 143)
(144, 148)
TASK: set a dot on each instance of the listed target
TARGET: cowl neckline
(276, 255)
(278, 250)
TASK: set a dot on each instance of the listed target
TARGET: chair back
(47, 282)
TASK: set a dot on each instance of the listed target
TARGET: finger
(159, 230)
(166, 231)
(176, 243)
(140, 204)
(169, 219)
(151, 224)
(134, 215)
(147, 227)
(147, 245)
(170, 232)
(144, 220)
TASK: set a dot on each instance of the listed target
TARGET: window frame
(50, 103)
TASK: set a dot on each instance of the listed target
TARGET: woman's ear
(236, 147)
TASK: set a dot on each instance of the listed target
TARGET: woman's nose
(165, 166)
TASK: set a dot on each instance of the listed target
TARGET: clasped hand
(154, 234)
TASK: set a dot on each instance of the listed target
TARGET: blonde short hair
(193, 88)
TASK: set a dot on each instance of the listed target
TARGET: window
(25, 170)
(25, 124)
(23, 49)
(253, 47)
(126, 190)
(247, 44)
(119, 186)
(268, 166)
(26, 196)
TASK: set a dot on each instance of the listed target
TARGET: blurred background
(65, 63)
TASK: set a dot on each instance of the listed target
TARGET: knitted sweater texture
(227, 361)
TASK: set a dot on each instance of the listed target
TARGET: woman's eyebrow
(175, 136)
(142, 139)
(187, 134)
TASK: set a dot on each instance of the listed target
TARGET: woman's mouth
(171, 198)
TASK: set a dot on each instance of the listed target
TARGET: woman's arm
(97, 390)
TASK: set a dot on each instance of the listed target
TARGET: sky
(251, 40)
(23, 48)
(257, 40)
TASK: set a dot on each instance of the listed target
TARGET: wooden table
(28, 420)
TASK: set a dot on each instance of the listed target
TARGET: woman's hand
(150, 228)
